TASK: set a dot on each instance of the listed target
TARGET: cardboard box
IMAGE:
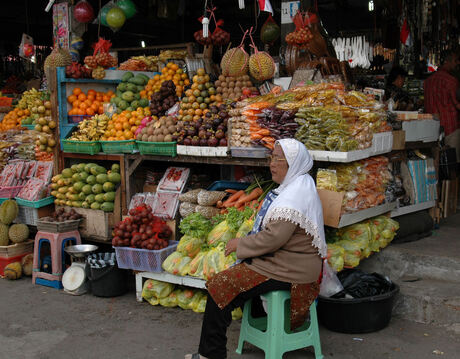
(399, 140)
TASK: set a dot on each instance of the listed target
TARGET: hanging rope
(99, 22)
(27, 17)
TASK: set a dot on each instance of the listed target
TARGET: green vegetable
(236, 218)
(196, 225)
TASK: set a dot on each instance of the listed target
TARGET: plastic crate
(78, 118)
(29, 127)
(35, 204)
(5, 261)
(223, 185)
(10, 192)
(157, 148)
(113, 147)
(87, 147)
(27, 215)
(6, 101)
(143, 259)
(44, 225)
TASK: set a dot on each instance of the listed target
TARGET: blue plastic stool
(272, 333)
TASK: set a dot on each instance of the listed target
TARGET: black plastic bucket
(105, 278)
(361, 315)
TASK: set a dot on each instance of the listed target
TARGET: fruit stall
(163, 158)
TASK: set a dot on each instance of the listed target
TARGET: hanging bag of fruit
(219, 36)
(302, 35)
(261, 65)
(270, 31)
(198, 35)
(101, 59)
(235, 61)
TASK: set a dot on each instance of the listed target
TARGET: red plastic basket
(10, 192)
(6, 101)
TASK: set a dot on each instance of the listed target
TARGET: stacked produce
(171, 72)
(88, 104)
(197, 99)
(348, 245)
(92, 129)
(208, 130)
(169, 295)
(45, 143)
(161, 130)
(142, 230)
(86, 185)
(61, 215)
(233, 88)
(140, 63)
(240, 136)
(258, 134)
(128, 92)
(164, 99)
(16, 270)
(123, 126)
(165, 55)
(363, 182)
(25, 145)
(78, 71)
(14, 119)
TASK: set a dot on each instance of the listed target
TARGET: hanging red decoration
(83, 11)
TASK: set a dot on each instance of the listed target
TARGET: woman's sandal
(195, 356)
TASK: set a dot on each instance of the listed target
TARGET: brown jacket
(282, 251)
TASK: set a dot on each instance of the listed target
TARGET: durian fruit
(261, 66)
(13, 271)
(4, 239)
(27, 264)
(18, 233)
(235, 62)
(58, 58)
(8, 211)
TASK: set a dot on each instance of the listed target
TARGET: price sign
(288, 10)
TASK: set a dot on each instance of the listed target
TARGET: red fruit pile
(141, 230)
(77, 71)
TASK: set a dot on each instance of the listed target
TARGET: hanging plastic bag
(26, 48)
(172, 261)
(330, 283)
(171, 300)
(302, 34)
(196, 265)
(184, 299)
(219, 36)
(190, 246)
(270, 31)
(83, 12)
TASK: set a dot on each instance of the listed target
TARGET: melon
(261, 66)
(234, 62)
(8, 211)
(13, 271)
(4, 239)
(18, 233)
(27, 264)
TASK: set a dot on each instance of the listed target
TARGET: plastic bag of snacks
(185, 297)
(190, 246)
(172, 261)
(171, 300)
(148, 293)
(156, 288)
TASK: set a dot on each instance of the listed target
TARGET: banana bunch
(150, 61)
(30, 98)
(91, 129)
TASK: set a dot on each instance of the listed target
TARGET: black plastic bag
(358, 284)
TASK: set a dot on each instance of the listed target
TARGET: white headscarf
(298, 201)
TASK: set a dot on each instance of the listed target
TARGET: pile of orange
(88, 104)
(170, 72)
(13, 119)
(123, 126)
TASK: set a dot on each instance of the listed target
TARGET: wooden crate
(17, 249)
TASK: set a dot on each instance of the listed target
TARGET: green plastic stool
(272, 333)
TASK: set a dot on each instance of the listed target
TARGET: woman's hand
(231, 246)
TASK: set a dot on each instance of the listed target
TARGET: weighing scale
(74, 278)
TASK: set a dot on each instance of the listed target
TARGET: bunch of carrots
(257, 133)
(251, 197)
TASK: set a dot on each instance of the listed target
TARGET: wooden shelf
(259, 162)
(90, 81)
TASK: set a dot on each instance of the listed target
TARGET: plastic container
(6, 101)
(157, 148)
(223, 185)
(109, 281)
(86, 147)
(250, 152)
(35, 204)
(143, 259)
(354, 316)
(29, 127)
(5, 261)
(113, 147)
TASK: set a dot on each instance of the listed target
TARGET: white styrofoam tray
(250, 152)
(381, 143)
(202, 151)
(421, 130)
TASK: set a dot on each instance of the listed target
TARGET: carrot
(256, 192)
(233, 198)
(219, 204)
(223, 211)
(231, 191)
(260, 205)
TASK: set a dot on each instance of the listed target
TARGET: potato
(172, 129)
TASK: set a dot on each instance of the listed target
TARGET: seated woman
(283, 252)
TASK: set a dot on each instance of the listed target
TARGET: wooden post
(52, 86)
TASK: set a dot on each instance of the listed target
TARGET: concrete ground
(42, 323)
